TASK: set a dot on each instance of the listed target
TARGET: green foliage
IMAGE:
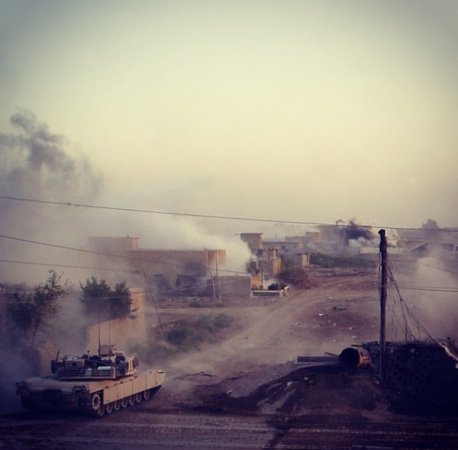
(21, 310)
(221, 321)
(99, 298)
(29, 312)
(120, 303)
(180, 334)
(185, 334)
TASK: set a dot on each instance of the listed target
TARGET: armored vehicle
(95, 384)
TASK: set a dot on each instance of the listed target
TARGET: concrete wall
(232, 286)
(120, 332)
(171, 263)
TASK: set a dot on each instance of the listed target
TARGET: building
(182, 271)
(442, 242)
(291, 252)
(176, 267)
(223, 287)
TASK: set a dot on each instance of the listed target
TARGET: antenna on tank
(98, 326)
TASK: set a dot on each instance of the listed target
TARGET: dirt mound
(319, 389)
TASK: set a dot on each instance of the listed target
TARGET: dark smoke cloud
(353, 231)
(34, 163)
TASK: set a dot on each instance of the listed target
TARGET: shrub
(29, 312)
(181, 333)
(329, 261)
(99, 298)
(185, 334)
(222, 321)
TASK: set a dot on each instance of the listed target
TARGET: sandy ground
(254, 369)
(335, 314)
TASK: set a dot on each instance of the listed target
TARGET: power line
(150, 211)
(205, 216)
(111, 255)
(66, 266)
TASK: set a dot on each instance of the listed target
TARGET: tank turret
(108, 364)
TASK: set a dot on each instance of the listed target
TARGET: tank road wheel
(117, 405)
(138, 397)
(109, 408)
(125, 402)
(131, 400)
(97, 406)
(146, 394)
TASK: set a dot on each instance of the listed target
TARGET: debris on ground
(315, 389)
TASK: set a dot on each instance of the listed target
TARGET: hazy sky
(307, 110)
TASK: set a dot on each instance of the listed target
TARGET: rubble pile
(329, 388)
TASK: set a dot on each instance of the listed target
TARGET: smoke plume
(354, 232)
(37, 164)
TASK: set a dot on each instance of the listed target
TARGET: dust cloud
(38, 164)
(13, 368)
(435, 307)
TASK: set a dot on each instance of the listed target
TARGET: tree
(30, 312)
(100, 298)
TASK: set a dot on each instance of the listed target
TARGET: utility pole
(383, 291)
(217, 277)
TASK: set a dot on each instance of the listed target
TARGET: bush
(184, 334)
(329, 261)
(180, 334)
(99, 298)
(29, 312)
(222, 321)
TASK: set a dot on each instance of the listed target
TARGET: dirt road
(144, 428)
(335, 314)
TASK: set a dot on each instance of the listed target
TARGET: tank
(93, 384)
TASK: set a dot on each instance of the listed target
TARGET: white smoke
(435, 307)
